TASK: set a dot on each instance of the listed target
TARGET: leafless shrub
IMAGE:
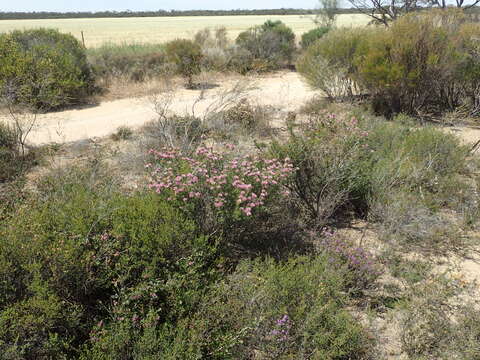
(16, 125)
(186, 130)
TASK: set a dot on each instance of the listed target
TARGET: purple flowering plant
(360, 263)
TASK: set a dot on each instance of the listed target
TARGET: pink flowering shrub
(218, 186)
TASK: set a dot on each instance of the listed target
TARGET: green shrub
(292, 310)
(187, 56)
(313, 35)
(424, 63)
(346, 163)
(282, 311)
(79, 251)
(328, 64)
(413, 65)
(43, 69)
(271, 45)
(134, 62)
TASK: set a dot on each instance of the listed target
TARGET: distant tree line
(128, 13)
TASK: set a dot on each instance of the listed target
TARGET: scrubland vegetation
(225, 237)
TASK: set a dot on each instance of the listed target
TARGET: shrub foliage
(424, 63)
(186, 55)
(44, 69)
(270, 46)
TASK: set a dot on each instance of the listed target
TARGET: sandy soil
(283, 90)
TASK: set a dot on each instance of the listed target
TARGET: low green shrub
(271, 45)
(432, 327)
(44, 69)
(133, 62)
(282, 311)
(313, 35)
(78, 251)
(187, 56)
(347, 164)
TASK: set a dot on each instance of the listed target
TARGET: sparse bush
(271, 45)
(313, 35)
(217, 50)
(252, 119)
(432, 327)
(187, 56)
(122, 133)
(43, 69)
(182, 132)
(406, 223)
(14, 159)
(331, 174)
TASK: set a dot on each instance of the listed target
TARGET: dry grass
(162, 29)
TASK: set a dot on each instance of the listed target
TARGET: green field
(160, 29)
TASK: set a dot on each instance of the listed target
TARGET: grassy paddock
(161, 29)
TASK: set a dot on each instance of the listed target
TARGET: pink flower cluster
(218, 179)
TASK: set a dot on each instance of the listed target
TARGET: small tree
(386, 11)
(327, 13)
(187, 56)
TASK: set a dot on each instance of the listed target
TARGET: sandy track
(283, 90)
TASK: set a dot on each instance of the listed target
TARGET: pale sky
(139, 5)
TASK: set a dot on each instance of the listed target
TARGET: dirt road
(283, 90)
